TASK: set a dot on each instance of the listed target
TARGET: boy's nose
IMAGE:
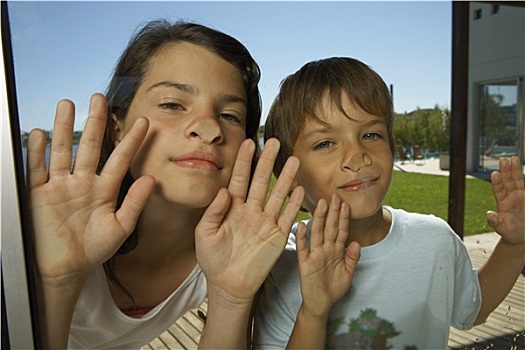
(355, 159)
(206, 128)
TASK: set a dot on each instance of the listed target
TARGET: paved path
(428, 166)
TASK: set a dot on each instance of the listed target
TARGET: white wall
(496, 52)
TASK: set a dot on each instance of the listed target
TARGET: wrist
(511, 250)
(316, 314)
(65, 282)
(227, 321)
(57, 298)
(221, 300)
(512, 244)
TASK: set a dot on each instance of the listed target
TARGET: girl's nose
(206, 128)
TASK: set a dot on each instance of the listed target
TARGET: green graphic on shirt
(368, 332)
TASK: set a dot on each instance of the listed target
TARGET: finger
(120, 159)
(498, 189)
(318, 222)
(60, 157)
(289, 214)
(214, 214)
(88, 153)
(344, 223)
(331, 227)
(36, 159)
(506, 174)
(353, 254)
(282, 188)
(301, 244)
(240, 179)
(517, 172)
(263, 173)
(134, 203)
(493, 220)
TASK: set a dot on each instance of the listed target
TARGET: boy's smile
(359, 184)
(347, 154)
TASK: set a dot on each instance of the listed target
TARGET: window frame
(20, 326)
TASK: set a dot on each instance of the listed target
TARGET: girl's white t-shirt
(99, 324)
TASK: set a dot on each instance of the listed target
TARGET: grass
(428, 194)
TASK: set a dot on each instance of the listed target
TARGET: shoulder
(418, 222)
(425, 228)
(416, 218)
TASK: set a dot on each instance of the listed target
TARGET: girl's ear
(118, 127)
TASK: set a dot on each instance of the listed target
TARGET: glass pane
(498, 123)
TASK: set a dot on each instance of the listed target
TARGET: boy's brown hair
(302, 92)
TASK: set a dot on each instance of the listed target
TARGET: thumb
(214, 214)
(134, 203)
(493, 219)
(353, 254)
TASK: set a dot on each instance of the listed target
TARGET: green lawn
(428, 194)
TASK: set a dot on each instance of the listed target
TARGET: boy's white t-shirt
(99, 324)
(407, 291)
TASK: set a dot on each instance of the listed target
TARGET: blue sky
(68, 49)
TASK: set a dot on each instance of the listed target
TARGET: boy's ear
(117, 133)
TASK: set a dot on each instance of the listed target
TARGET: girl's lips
(197, 160)
(195, 164)
(358, 185)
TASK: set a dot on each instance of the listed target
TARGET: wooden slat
(171, 342)
(505, 326)
(180, 336)
(157, 344)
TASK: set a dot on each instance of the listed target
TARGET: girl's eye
(371, 136)
(171, 106)
(231, 118)
(323, 145)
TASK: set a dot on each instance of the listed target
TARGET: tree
(428, 128)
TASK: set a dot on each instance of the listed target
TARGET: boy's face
(351, 157)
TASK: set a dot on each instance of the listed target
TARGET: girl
(122, 254)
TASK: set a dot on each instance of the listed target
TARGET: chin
(364, 210)
(200, 197)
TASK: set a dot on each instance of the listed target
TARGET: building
(496, 93)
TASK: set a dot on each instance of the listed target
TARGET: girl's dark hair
(132, 66)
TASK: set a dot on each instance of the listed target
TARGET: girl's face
(196, 105)
(348, 156)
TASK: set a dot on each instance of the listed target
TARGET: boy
(414, 277)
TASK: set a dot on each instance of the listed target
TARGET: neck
(165, 232)
(371, 230)
(162, 259)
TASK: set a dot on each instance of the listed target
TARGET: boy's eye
(371, 136)
(323, 145)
